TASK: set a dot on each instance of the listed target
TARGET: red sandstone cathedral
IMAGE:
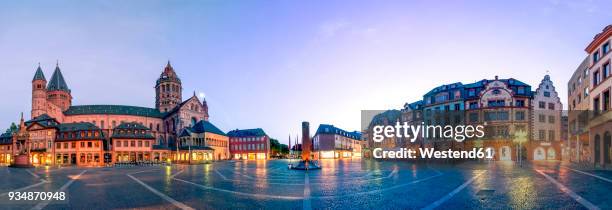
(62, 133)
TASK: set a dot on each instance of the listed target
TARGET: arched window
(193, 121)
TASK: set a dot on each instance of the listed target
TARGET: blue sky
(275, 63)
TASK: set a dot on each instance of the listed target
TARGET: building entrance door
(505, 153)
(73, 159)
(538, 154)
(551, 155)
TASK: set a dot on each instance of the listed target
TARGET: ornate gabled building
(546, 128)
(53, 118)
(503, 106)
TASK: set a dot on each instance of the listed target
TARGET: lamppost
(520, 137)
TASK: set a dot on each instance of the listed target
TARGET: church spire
(57, 81)
(39, 75)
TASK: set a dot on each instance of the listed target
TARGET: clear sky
(275, 63)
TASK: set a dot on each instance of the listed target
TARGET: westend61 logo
(458, 133)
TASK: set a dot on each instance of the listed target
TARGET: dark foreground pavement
(341, 184)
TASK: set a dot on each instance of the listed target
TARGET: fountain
(306, 163)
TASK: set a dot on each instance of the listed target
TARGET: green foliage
(278, 148)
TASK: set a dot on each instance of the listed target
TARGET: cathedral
(65, 134)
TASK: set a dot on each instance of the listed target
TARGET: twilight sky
(275, 63)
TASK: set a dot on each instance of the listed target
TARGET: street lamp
(520, 137)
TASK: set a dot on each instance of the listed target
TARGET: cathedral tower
(58, 92)
(168, 90)
(39, 93)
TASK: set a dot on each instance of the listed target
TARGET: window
(146, 143)
(82, 144)
(471, 92)
(65, 145)
(551, 119)
(541, 135)
(520, 103)
(606, 101)
(496, 116)
(73, 145)
(125, 143)
(132, 143)
(596, 57)
(521, 90)
(473, 105)
(586, 91)
(606, 70)
(546, 94)
(97, 144)
(596, 106)
(606, 48)
(596, 78)
(542, 105)
(139, 143)
(520, 116)
(102, 124)
(496, 103)
(89, 144)
(118, 143)
(542, 118)
(551, 106)
(551, 135)
(457, 106)
(58, 145)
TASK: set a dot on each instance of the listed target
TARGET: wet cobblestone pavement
(341, 184)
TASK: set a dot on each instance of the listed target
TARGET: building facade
(546, 136)
(151, 134)
(249, 144)
(506, 108)
(330, 142)
(591, 124)
(579, 104)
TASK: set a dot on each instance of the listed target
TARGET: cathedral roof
(205, 126)
(57, 81)
(39, 75)
(113, 110)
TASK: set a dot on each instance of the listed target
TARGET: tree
(277, 148)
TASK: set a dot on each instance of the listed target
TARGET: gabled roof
(132, 130)
(132, 126)
(256, 132)
(57, 81)
(39, 75)
(81, 126)
(205, 126)
(6, 138)
(43, 120)
(76, 127)
(113, 110)
(178, 107)
(443, 88)
(415, 105)
(330, 129)
(389, 116)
